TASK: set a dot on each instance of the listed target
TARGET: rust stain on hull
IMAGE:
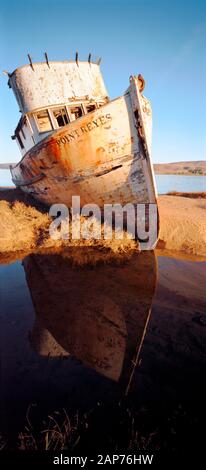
(97, 157)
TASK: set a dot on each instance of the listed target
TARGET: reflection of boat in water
(98, 314)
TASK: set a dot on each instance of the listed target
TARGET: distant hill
(181, 168)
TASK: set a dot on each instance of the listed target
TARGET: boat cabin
(50, 95)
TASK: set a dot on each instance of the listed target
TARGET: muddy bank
(24, 228)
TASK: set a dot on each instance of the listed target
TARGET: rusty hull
(98, 157)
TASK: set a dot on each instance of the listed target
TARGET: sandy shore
(24, 228)
(183, 225)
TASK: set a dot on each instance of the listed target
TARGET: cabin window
(61, 117)
(76, 112)
(20, 141)
(90, 108)
(43, 121)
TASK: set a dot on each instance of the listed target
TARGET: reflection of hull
(99, 315)
(100, 157)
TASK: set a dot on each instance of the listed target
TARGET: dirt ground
(183, 224)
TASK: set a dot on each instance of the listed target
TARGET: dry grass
(62, 433)
(58, 433)
(112, 428)
(2, 442)
(24, 229)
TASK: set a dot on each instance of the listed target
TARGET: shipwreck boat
(74, 140)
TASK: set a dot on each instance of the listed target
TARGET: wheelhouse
(33, 127)
(51, 95)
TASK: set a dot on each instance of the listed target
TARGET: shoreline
(24, 229)
(185, 168)
(179, 174)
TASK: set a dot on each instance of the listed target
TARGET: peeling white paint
(104, 156)
(59, 83)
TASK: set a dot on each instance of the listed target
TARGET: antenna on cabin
(89, 58)
(30, 61)
(47, 60)
(77, 58)
(99, 61)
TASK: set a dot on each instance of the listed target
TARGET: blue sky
(163, 40)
